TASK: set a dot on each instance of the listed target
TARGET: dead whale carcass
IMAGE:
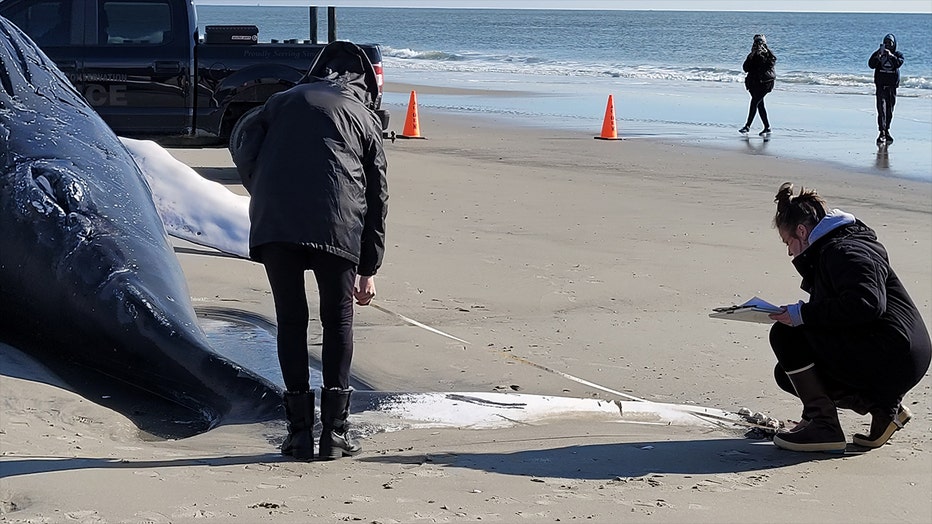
(86, 267)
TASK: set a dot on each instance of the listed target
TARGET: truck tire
(237, 131)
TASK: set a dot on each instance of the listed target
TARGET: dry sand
(598, 259)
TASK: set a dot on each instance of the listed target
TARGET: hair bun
(784, 194)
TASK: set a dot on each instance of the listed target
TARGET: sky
(853, 6)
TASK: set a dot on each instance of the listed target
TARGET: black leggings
(757, 105)
(285, 265)
(875, 375)
(886, 99)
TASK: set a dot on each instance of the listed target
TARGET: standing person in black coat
(313, 163)
(759, 81)
(859, 343)
(886, 63)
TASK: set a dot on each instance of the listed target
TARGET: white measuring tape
(707, 417)
(509, 355)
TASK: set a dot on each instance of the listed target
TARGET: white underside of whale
(484, 410)
(192, 208)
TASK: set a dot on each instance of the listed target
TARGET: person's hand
(782, 317)
(364, 290)
(791, 315)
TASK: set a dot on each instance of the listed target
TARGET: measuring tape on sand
(507, 354)
(707, 417)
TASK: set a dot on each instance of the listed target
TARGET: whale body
(87, 271)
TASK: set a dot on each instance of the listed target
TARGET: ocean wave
(411, 54)
(443, 56)
(413, 60)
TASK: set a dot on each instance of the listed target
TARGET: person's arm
(245, 153)
(373, 233)
(874, 61)
(897, 58)
(858, 277)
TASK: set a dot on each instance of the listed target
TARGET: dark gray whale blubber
(87, 272)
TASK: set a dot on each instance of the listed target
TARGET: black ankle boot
(823, 432)
(299, 409)
(884, 423)
(335, 441)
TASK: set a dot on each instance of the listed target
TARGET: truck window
(48, 22)
(123, 22)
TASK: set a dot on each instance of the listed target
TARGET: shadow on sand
(589, 462)
(628, 459)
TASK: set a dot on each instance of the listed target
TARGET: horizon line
(417, 4)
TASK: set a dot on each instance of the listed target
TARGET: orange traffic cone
(609, 132)
(411, 129)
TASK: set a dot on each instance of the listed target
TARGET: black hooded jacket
(759, 67)
(313, 163)
(857, 303)
(887, 66)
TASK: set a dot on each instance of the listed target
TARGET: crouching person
(859, 343)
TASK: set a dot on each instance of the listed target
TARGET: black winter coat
(886, 68)
(858, 306)
(760, 72)
(313, 163)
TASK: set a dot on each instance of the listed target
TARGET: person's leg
(796, 356)
(752, 110)
(888, 389)
(881, 113)
(890, 102)
(284, 265)
(845, 397)
(335, 278)
(763, 113)
(867, 371)
(783, 380)
(791, 347)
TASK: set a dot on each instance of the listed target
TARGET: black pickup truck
(144, 67)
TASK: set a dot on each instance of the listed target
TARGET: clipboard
(754, 310)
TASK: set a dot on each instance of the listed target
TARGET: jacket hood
(345, 63)
(890, 41)
(832, 220)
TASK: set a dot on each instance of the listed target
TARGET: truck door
(56, 26)
(138, 66)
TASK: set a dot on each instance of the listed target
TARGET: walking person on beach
(859, 343)
(759, 81)
(313, 162)
(886, 63)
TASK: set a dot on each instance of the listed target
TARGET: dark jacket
(857, 303)
(313, 163)
(887, 66)
(760, 71)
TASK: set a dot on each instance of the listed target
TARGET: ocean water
(673, 75)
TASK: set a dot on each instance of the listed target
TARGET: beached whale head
(86, 267)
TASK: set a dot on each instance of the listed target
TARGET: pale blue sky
(853, 6)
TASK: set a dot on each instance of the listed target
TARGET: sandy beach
(598, 259)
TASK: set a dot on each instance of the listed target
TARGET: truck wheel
(237, 131)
